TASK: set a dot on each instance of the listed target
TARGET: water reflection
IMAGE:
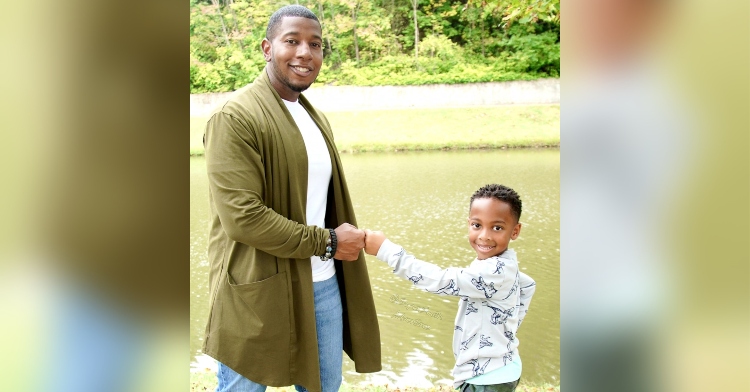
(420, 372)
(420, 200)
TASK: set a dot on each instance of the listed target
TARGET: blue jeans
(330, 330)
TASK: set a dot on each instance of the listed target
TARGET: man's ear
(516, 231)
(265, 46)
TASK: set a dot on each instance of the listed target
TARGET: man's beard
(297, 89)
(285, 80)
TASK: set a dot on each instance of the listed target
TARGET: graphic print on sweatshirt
(484, 341)
(471, 308)
(449, 289)
(508, 357)
(510, 337)
(416, 278)
(512, 289)
(398, 254)
(500, 316)
(465, 343)
(526, 287)
(499, 267)
(476, 369)
(480, 284)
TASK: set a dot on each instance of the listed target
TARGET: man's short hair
(293, 10)
(502, 193)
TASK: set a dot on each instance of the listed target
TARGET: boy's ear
(516, 231)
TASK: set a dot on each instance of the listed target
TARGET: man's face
(295, 55)
(491, 227)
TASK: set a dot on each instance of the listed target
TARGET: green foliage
(531, 53)
(372, 42)
(403, 70)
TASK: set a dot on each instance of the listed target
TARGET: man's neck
(285, 93)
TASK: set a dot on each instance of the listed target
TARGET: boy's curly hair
(502, 193)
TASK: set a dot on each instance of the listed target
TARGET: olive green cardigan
(262, 315)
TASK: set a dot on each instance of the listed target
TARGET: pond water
(421, 200)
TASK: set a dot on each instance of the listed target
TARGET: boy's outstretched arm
(528, 287)
(481, 282)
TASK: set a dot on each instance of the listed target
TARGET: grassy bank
(434, 129)
(206, 381)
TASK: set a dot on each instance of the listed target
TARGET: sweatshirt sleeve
(473, 282)
(236, 178)
(528, 286)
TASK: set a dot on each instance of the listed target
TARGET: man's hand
(373, 240)
(349, 242)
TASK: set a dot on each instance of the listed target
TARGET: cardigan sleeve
(236, 181)
(477, 281)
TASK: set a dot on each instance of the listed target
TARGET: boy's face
(491, 227)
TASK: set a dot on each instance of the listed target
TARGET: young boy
(494, 294)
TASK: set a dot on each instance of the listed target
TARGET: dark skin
(492, 226)
(351, 241)
(294, 56)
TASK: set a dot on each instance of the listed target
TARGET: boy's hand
(373, 240)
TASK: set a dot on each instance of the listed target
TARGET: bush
(531, 52)
(520, 56)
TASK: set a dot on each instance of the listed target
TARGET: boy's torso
(485, 328)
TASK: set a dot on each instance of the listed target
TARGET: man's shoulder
(250, 100)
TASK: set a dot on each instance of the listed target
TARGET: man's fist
(349, 242)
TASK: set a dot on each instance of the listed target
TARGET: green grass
(206, 381)
(197, 127)
(434, 129)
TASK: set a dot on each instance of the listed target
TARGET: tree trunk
(221, 17)
(481, 36)
(354, 31)
(234, 19)
(416, 31)
(334, 51)
(322, 15)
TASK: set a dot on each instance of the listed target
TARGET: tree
(370, 42)
(221, 17)
(416, 30)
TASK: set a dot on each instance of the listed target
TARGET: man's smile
(301, 70)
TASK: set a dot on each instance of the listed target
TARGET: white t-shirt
(318, 178)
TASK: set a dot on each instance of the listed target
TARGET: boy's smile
(491, 227)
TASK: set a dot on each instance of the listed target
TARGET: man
(283, 303)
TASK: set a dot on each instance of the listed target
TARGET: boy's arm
(449, 281)
(528, 286)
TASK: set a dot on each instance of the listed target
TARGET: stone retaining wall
(348, 98)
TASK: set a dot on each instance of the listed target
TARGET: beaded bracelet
(331, 243)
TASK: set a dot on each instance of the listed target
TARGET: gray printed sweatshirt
(494, 298)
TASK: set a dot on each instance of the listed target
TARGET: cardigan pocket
(264, 318)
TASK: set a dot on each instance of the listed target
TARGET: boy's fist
(373, 240)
